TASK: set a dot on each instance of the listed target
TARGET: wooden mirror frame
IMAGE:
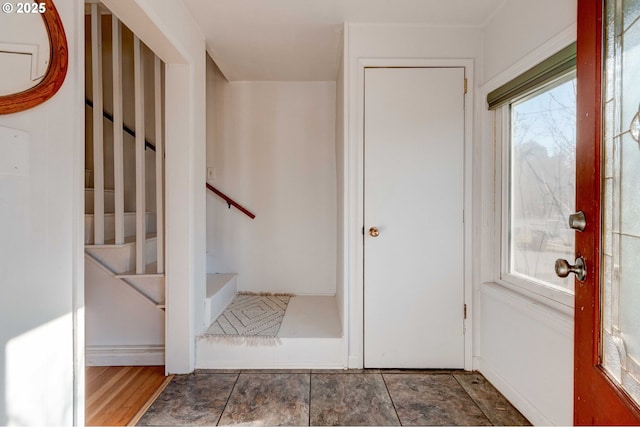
(56, 71)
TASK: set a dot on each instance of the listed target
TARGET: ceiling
(301, 40)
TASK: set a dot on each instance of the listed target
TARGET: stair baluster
(157, 76)
(141, 226)
(98, 160)
(118, 149)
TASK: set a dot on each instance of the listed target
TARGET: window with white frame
(537, 117)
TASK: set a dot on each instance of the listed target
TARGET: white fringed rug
(254, 317)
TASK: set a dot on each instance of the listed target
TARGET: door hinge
(465, 311)
(465, 85)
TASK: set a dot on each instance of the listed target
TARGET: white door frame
(354, 182)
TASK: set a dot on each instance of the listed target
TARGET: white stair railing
(118, 148)
(98, 153)
(142, 115)
(141, 218)
(157, 76)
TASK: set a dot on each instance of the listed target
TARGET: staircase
(118, 260)
(124, 309)
(124, 210)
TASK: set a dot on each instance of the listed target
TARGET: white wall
(274, 153)
(370, 42)
(168, 28)
(519, 27)
(523, 345)
(41, 264)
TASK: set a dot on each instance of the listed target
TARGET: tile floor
(319, 397)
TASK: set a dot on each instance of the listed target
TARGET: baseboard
(124, 355)
(521, 403)
(355, 362)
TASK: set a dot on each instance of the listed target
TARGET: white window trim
(557, 297)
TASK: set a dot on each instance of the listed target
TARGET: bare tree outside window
(542, 182)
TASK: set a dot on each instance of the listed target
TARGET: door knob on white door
(374, 232)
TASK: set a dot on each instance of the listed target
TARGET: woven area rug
(254, 317)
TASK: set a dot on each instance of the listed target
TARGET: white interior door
(414, 175)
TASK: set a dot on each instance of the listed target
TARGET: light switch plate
(14, 152)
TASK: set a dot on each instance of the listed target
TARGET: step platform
(310, 337)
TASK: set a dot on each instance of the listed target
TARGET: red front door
(597, 398)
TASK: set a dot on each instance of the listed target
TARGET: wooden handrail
(230, 201)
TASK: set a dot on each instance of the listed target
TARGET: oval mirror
(33, 54)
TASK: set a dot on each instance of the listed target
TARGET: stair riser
(123, 258)
(109, 203)
(216, 304)
(110, 226)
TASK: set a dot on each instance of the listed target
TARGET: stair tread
(128, 240)
(112, 213)
(150, 271)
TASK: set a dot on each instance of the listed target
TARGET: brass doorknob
(374, 232)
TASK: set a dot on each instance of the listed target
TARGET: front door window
(620, 346)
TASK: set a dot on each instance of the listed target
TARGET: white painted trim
(77, 69)
(179, 237)
(98, 153)
(159, 129)
(118, 149)
(141, 220)
(468, 212)
(490, 176)
(546, 294)
(125, 355)
(555, 298)
(354, 157)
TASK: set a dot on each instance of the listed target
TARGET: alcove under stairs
(310, 335)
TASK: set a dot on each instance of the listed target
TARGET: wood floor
(119, 395)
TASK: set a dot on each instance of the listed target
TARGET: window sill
(561, 301)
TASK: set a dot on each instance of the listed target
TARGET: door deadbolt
(578, 221)
(563, 268)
